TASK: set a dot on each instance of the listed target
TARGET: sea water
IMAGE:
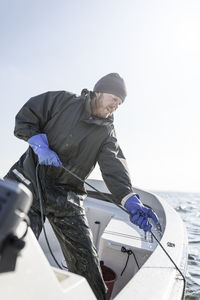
(188, 206)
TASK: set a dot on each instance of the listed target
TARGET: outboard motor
(15, 202)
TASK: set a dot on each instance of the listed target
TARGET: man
(63, 129)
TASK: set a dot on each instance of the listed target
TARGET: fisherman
(63, 129)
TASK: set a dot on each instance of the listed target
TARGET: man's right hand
(39, 144)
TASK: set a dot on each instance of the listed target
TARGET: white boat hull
(156, 278)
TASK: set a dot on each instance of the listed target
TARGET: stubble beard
(95, 105)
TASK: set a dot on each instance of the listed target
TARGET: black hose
(129, 252)
(184, 280)
(126, 211)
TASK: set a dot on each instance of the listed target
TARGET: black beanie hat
(111, 84)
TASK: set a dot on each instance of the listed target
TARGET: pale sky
(154, 45)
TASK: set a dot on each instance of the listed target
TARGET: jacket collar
(88, 118)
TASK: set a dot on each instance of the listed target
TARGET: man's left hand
(139, 213)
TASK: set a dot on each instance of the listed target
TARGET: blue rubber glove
(39, 144)
(140, 214)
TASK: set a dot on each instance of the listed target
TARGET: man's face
(106, 104)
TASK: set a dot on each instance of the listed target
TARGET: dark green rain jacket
(79, 139)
